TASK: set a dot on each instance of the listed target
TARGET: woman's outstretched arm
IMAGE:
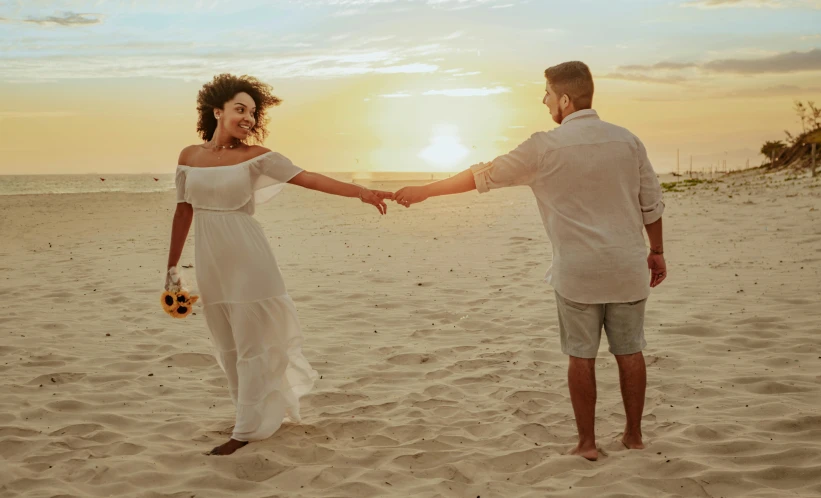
(322, 183)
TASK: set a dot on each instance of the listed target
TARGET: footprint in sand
(77, 430)
(53, 326)
(190, 360)
(257, 468)
(57, 378)
(10, 431)
(411, 359)
(542, 398)
(334, 399)
(331, 476)
(4, 350)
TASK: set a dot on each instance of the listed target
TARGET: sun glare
(445, 149)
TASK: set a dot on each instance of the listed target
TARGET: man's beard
(561, 116)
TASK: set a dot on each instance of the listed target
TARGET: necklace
(216, 148)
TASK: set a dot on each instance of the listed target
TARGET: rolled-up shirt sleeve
(518, 167)
(650, 195)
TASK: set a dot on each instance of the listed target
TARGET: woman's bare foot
(587, 451)
(632, 441)
(226, 449)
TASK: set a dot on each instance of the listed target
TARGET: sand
(436, 339)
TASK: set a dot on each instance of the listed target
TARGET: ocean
(82, 184)
(92, 183)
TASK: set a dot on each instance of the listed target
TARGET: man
(595, 189)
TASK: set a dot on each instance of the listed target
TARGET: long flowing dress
(253, 322)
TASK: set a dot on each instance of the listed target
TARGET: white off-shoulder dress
(253, 321)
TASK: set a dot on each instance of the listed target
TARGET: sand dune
(437, 344)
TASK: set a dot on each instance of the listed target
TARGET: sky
(397, 85)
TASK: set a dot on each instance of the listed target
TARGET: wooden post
(691, 165)
(677, 163)
(813, 160)
(772, 158)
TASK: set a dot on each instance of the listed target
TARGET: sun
(445, 149)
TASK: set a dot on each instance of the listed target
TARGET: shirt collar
(584, 113)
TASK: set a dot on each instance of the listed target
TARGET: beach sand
(437, 343)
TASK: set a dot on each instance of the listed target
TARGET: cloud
(791, 91)
(407, 69)
(773, 91)
(460, 4)
(67, 19)
(191, 67)
(788, 62)
(269, 57)
(721, 4)
(453, 36)
(469, 92)
(398, 95)
(345, 3)
(446, 4)
(348, 12)
(643, 78)
(658, 66)
(459, 72)
(755, 4)
(783, 63)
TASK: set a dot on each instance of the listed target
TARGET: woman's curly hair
(223, 88)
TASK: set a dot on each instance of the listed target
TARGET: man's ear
(565, 101)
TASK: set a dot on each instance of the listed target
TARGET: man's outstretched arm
(518, 167)
(463, 182)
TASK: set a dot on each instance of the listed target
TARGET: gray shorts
(580, 327)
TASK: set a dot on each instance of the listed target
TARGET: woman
(253, 322)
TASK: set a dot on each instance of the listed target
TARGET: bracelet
(361, 189)
(653, 251)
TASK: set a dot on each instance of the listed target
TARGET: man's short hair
(574, 80)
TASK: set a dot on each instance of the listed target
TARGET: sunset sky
(397, 85)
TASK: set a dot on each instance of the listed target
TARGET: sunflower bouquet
(176, 300)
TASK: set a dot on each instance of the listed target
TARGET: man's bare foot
(226, 449)
(632, 441)
(587, 451)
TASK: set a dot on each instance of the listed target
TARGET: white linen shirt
(596, 190)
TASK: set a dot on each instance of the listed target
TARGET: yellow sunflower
(182, 296)
(169, 301)
(183, 310)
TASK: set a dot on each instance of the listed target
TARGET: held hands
(658, 268)
(375, 198)
(405, 196)
(410, 195)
